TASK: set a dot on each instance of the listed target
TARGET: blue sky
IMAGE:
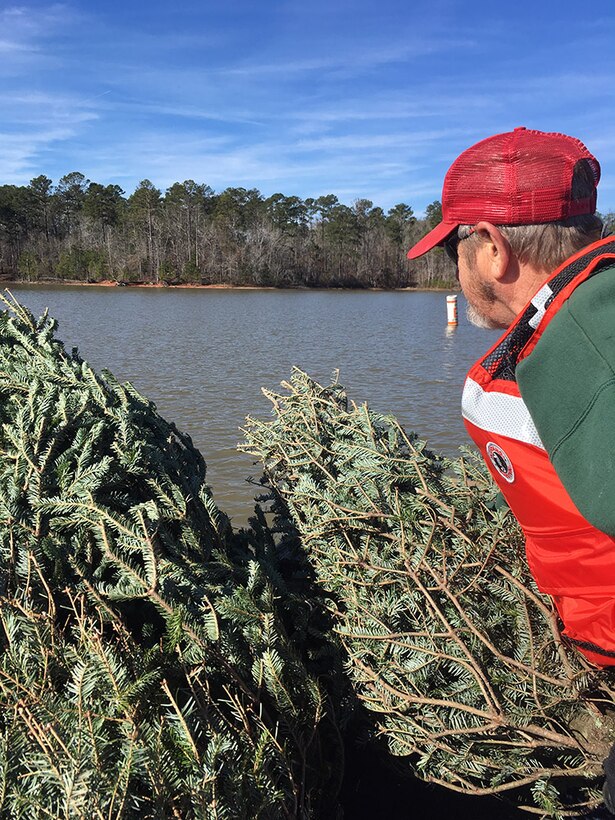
(360, 99)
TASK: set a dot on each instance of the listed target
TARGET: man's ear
(495, 247)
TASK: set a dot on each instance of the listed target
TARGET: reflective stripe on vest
(568, 557)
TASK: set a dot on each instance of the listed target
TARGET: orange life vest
(570, 559)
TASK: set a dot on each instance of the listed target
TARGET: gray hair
(544, 246)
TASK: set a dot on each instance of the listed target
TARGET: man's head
(525, 201)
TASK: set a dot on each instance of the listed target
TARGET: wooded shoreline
(85, 232)
(108, 283)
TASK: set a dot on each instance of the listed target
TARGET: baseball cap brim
(433, 238)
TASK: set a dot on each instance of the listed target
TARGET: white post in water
(451, 310)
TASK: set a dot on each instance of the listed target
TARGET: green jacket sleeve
(568, 385)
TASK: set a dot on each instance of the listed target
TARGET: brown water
(203, 356)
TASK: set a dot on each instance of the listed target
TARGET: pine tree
(153, 664)
(448, 642)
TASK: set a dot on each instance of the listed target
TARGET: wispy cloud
(19, 153)
(401, 140)
(351, 61)
(345, 98)
(25, 29)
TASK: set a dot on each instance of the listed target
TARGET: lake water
(203, 356)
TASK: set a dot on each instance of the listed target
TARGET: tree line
(82, 231)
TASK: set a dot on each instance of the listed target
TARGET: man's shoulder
(591, 306)
(573, 358)
(590, 292)
(568, 385)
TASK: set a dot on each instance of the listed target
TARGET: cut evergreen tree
(153, 665)
(449, 644)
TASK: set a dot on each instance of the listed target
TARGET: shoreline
(110, 283)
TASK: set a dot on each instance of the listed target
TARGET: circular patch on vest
(500, 461)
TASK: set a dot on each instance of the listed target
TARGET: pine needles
(448, 642)
(146, 664)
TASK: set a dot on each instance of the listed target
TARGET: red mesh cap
(522, 177)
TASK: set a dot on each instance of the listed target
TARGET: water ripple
(203, 355)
